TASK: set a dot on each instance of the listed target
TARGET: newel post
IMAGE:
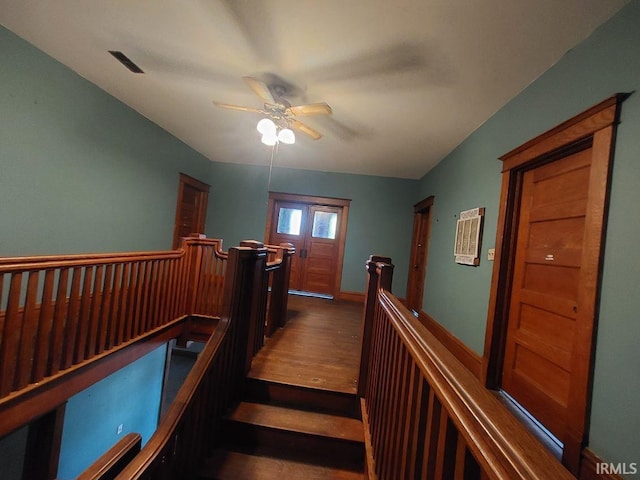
(191, 278)
(280, 288)
(193, 268)
(238, 302)
(373, 281)
(258, 300)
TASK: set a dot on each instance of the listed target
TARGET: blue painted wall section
(130, 397)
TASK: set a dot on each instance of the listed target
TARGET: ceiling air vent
(126, 61)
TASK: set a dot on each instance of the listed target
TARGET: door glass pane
(324, 225)
(289, 220)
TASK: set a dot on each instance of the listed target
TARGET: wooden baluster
(152, 306)
(59, 322)
(134, 288)
(446, 453)
(145, 279)
(41, 354)
(402, 398)
(105, 310)
(94, 313)
(466, 467)
(115, 318)
(28, 334)
(434, 415)
(11, 340)
(85, 315)
(73, 319)
(412, 413)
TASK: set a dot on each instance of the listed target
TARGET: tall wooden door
(317, 233)
(419, 250)
(191, 209)
(544, 328)
(544, 292)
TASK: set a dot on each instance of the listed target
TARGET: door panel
(314, 230)
(289, 225)
(322, 249)
(543, 317)
(191, 209)
(419, 250)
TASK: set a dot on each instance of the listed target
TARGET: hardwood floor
(318, 348)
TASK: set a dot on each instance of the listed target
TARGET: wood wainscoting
(464, 354)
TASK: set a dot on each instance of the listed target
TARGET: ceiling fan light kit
(271, 134)
(277, 128)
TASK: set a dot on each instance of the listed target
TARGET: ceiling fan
(279, 110)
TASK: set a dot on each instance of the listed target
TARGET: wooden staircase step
(299, 421)
(300, 397)
(230, 465)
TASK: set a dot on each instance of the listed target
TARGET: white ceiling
(408, 80)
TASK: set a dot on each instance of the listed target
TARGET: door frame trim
(596, 126)
(343, 203)
(203, 199)
(421, 210)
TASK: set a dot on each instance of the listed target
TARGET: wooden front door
(544, 328)
(191, 209)
(419, 250)
(317, 233)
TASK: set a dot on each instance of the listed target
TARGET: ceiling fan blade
(298, 125)
(238, 107)
(260, 89)
(310, 109)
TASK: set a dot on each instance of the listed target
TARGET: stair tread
(230, 465)
(312, 423)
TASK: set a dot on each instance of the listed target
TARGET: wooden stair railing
(191, 426)
(58, 314)
(114, 460)
(63, 316)
(425, 414)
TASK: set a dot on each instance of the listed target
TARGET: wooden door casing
(419, 251)
(191, 208)
(592, 131)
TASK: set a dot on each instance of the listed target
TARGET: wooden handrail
(61, 316)
(113, 460)
(57, 312)
(428, 416)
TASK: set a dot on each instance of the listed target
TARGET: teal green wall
(606, 63)
(380, 214)
(80, 171)
(130, 397)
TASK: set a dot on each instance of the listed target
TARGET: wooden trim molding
(370, 461)
(593, 467)
(351, 296)
(464, 354)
